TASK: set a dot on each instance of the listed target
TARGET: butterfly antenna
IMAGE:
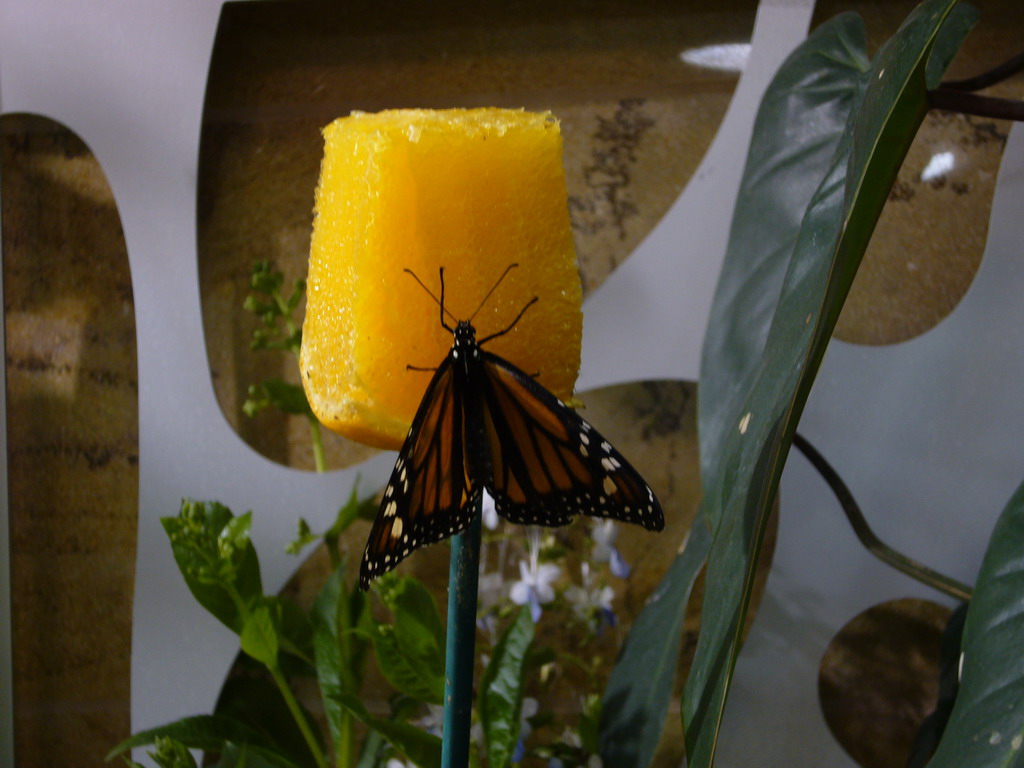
(494, 287)
(511, 325)
(440, 302)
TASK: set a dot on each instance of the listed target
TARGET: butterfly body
(485, 424)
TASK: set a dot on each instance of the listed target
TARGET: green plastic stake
(460, 642)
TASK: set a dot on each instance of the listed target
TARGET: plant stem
(867, 537)
(346, 742)
(300, 718)
(997, 74)
(318, 445)
(973, 104)
(460, 654)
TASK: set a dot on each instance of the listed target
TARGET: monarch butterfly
(484, 423)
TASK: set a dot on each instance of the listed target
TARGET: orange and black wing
(548, 464)
(426, 499)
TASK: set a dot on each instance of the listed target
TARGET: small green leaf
(279, 394)
(360, 626)
(216, 559)
(986, 727)
(590, 723)
(295, 629)
(331, 665)
(260, 635)
(303, 538)
(406, 677)
(423, 748)
(209, 733)
(265, 278)
(501, 690)
(352, 510)
(298, 291)
(410, 653)
(171, 753)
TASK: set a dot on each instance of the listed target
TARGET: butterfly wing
(548, 463)
(426, 499)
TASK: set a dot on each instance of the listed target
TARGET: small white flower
(534, 587)
(490, 593)
(396, 763)
(604, 534)
(529, 708)
(433, 720)
(489, 512)
(591, 603)
(571, 738)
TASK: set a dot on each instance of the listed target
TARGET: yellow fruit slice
(468, 190)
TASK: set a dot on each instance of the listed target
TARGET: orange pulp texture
(468, 190)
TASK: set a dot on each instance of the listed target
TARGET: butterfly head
(465, 348)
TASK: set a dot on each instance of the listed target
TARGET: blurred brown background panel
(636, 122)
(72, 435)
(930, 238)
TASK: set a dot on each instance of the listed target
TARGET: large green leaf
(501, 690)
(986, 727)
(639, 688)
(753, 391)
(798, 126)
(788, 157)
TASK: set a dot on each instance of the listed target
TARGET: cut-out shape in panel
(638, 94)
(928, 244)
(879, 679)
(72, 433)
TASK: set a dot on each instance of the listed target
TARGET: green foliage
(260, 634)
(211, 733)
(501, 690)
(216, 558)
(279, 394)
(423, 748)
(274, 309)
(746, 430)
(170, 753)
(259, 721)
(280, 331)
(986, 727)
(257, 702)
(410, 652)
(353, 509)
(632, 716)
